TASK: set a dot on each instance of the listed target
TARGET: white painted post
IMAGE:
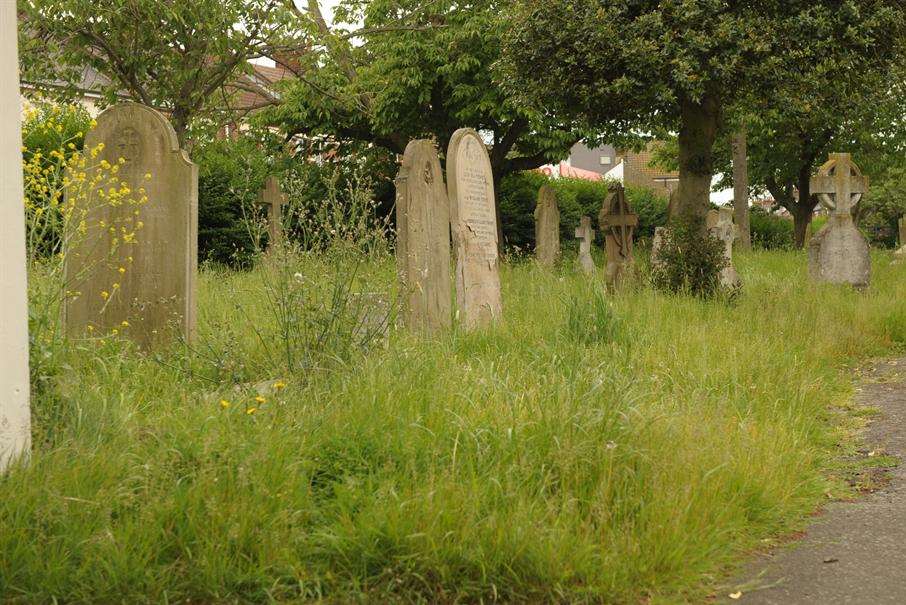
(15, 420)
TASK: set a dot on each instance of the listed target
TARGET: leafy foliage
(880, 210)
(689, 260)
(165, 54)
(769, 231)
(418, 70)
(650, 65)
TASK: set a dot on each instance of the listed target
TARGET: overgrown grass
(584, 450)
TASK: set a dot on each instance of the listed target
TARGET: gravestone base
(838, 254)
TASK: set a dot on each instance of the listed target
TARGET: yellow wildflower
(224, 403)
(105, 294)
(279, 385)
(260, 399)
(125, 324)
(251, 411)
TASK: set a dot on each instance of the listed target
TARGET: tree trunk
(698, 129)
(741, 188)
(804, 208)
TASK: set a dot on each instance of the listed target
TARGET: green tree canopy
(680, 64)
(414, 69)
(175, 55)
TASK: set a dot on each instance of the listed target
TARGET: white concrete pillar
(15, 419)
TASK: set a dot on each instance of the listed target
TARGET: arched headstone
(143, 288)
(470, 183)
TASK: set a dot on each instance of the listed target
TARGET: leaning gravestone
(137, 275)
(720, 225)
(547, 227)
(586, 235)
(839, 253)
(470, 183)
(423, 240)
(15, 417)
(618, 222)
(273, 200)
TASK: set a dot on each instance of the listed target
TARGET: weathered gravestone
(586, 235)
(618, 222)
(136, 274)
(547, 227)
(423, 240)
(720, 225)
(273, 199)
(15, 417)
(470, 183)
(839, 253)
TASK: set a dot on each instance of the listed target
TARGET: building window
(606, 160)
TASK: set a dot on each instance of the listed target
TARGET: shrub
(880, 210)
(689, 260)
(769, 231)
(651, 208)
(231, 173)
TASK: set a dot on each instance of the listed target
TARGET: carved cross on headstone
(586, 234)
(273, 199)
(840, 184)
(618, 222)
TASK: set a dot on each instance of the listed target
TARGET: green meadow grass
(586, 449)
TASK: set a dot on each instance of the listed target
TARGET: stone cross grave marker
(720, 225)
(586, 236)
(618, 222)
(273, 199)
(135, 268)
(470, 183)
(15, 416)
(839, 253)
(423, 240)
(547, 227)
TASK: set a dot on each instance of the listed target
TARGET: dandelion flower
(224, 403)
(105, 294)
(125, 324)
(260, 399)
(279, 385)
(251, 411)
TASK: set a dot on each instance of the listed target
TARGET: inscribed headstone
(547, 227)
(470, 183)
(618, 222)
(15, 417)
(134, 267)
(586, 235)
(839, 253)
(423, 240)
(720, 225)
(273, 199)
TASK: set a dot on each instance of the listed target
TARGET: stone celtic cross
(619, 222)
(272, 198)
(839, 184)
